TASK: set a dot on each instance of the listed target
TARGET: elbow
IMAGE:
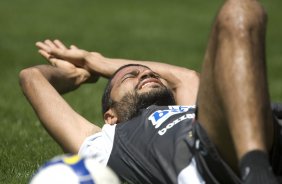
(26, 76)
(192, 76)
(191, 79)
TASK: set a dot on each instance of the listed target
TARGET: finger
(73, 47)
(51, 48)
(50, 44)
(59, 53)
(54, 62)
(59, 44)
(61, 64)
(45, 54)
(85, 75)
(42, 46)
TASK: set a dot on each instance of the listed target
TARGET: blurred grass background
(161, 30)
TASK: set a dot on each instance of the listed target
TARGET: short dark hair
(107, 101)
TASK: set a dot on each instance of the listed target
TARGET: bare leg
(233, 101)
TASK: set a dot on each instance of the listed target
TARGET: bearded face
(133, 88)
(131, 103)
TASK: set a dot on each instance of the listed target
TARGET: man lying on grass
(153, 132)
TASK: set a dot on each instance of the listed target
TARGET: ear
(110, 117)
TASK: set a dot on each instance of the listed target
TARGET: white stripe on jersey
(190, 174)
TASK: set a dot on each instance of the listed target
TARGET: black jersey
(166, 145)
(153, 147)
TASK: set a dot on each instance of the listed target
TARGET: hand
(71, 59)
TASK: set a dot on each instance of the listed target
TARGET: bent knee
(241, 17)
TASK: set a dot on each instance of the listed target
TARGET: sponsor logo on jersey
(170, 125)
(159, 117)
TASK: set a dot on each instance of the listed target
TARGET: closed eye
(129, 75)
(156, 75)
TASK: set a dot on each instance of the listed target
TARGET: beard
(132, 103)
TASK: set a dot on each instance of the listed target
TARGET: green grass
(161, 30)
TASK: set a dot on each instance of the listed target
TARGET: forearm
(183, 82)
(36, 86)
(66, 126)
(107, 66)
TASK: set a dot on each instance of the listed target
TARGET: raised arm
(42, 86)
(182, 81)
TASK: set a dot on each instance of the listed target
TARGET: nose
(147, 74)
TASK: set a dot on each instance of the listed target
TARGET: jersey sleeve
(99, 145)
